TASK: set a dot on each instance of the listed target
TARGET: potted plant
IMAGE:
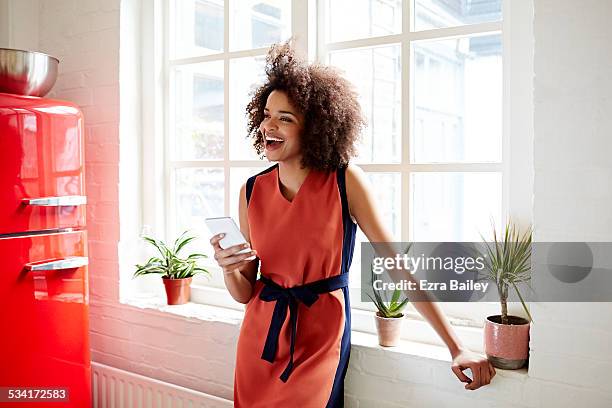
(176, 271)
(506, 337)
(389, 318)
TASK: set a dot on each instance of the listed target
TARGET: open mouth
(273, 141)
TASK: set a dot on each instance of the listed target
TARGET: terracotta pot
(507, 345)
(177, 290)
(389, 330)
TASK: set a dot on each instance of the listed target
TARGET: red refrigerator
(44, 296)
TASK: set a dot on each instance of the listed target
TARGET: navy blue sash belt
(289, 298)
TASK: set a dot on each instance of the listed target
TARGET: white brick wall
(572, 343)
(570, 360)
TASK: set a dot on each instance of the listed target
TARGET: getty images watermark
(457, 272)
(412, 264)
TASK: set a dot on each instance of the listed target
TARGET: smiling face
(282, 128)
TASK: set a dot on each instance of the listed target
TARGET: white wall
(570, 360)
(5, 27)
(572, 343)
(19, 24)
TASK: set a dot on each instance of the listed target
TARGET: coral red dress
(294, 343)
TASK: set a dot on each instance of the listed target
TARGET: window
(214, 59)
(431, 75)
(208, 26)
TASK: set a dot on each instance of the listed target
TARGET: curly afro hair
(332, 114)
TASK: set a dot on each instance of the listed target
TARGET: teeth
(274, 139)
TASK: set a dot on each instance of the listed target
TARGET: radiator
(114, 388)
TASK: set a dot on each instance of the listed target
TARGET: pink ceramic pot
(389, 330)
(507, 345)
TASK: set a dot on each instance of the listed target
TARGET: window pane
(454, 206)
(197, 27)
(198, 111)
(375, 18)
(387, 193)
(198, 195)
(256, 24)
(430, 14)
(457, 109)
(376, 73)
(239, 176)
(246, 74)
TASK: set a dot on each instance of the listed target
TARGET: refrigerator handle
(56, 201)
(58, 264)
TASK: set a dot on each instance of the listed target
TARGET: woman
(300, 218)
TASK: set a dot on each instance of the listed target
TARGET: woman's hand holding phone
(231, 259)
(232, 251)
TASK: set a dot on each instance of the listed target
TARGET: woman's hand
(229, 259)
(482, 369)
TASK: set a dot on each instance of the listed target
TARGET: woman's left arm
(364, 210)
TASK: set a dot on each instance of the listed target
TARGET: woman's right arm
(239, 274)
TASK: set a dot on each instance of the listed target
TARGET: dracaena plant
(509, 264)
(169, 264)
(389, 309)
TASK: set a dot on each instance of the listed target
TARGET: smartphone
(233, 236)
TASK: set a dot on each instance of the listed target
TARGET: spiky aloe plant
(392, 309)
(169, 264)
(508, 264)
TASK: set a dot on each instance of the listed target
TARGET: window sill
(408, 349)
(189, 310)
(366, 342)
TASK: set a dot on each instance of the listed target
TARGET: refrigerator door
(44, 306)
(41, 164)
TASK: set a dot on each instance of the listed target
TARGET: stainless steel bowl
(27, 72)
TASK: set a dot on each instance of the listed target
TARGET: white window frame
(213, 291)
(460, 314)
(307, 25)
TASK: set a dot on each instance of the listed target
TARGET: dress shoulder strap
(341, 180)
(349, 227)
(251, 182)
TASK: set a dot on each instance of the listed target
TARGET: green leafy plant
(389, 309)
(392, 309)
(509, 264)
(169, 264)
